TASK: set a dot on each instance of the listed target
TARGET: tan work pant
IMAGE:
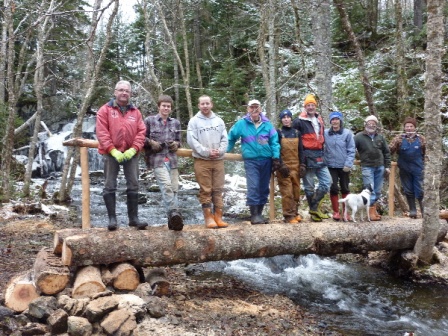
(210, 177)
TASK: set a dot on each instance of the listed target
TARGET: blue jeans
(323, 176)
(373, 176)
(168, 180)
(258, 176)
(412, 181)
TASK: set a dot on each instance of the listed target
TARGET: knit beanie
(410, 120)
(309, 99)
(371, 117)
(285, 113)
(336, 114)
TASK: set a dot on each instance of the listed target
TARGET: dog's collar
(364, 200)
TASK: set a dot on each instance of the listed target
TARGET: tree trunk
(50, 276)
(39, 83)
(359, 57)
(184, 69)
(156, 88)
(322, 45)
(8, 143)
(433, 131)
(400, 61)
(3, 57)
(20, 291)
(418, 15)
(92, 74)
(162, 247)
(372, 16)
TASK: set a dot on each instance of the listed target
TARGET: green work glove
(129, 154)
(117, 155)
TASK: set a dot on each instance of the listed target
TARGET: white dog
(357, 202)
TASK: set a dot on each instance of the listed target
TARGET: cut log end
(87, 282)
(20, 292)
(125, 277)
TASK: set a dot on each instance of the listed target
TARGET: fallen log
(87, 282)
(20, 291)
(50, 276)
(159, 246)
(124, 277)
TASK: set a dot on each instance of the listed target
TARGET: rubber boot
(343, 210)
(298, 217)
(208, 217)
(132, 202)
(291, 220)
(175, 220)
(254, 217)
(412, 207)
(420, 203)
(218, 219)
(320, 213)
(335, 205)
(110, 201)
(313, 208)
(315, 203)
(376, 211)
(372, 213)
(260, 214)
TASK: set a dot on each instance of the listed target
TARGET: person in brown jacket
(290, 172)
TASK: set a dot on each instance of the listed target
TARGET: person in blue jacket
(411, 148)
(261, 154)
(339, 153)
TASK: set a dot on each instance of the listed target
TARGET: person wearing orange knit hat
(309, 99)
(311, 127)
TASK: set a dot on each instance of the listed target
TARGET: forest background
(60, 60)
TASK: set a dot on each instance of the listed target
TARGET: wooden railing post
(393, 172)
(85, 182)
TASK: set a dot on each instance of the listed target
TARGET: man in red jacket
(120, 131)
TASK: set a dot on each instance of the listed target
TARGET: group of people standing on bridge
(300, 149)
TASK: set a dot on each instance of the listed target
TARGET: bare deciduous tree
(359, 56)
(433, 130)
(322, 46)
(402, 88)
(184, 68)
(93, 67)
(39, 83)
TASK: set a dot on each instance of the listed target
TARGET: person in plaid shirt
(161, 143)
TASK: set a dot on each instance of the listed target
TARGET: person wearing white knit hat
(374, 154)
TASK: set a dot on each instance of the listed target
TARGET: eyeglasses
(123, 90)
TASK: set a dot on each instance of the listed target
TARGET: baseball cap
(253, 102)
